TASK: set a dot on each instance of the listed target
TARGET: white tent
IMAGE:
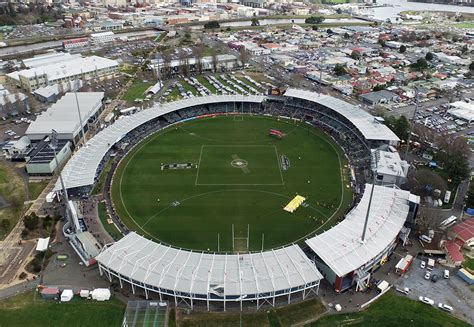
(42, 244)
(67, 295)
(101, 294)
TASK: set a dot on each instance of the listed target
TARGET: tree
(379, 87)
(355, 55)
(340, 70)
(314, 20)
(402, 49)
(255, 22)
(471, 66)
(198, 54)
(429, 56)
(31, 221)
(5, 224)
(423, 181)
(453, 153)
(347, 35)
(314, 27)
(464, 49)
(212, 24)
(400, 126)
(215, 62)
(421, 64)
(244, 56)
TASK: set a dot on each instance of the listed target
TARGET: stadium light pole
(80, 118)
(412, 123)
(374, 176)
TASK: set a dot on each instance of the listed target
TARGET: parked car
(423, 265)
(427, 275)
(426, 300)
(445, 307)
(404, 290)
(446, 273)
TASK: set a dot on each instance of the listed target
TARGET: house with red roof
(460, 236)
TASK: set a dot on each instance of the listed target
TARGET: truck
(430, 264)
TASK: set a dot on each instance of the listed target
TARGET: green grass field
(238, 181)
(393, 310)
(29, 309)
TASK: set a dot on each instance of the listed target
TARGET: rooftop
(192, 272)
(63, 115)
(341, 247)
(362, 120)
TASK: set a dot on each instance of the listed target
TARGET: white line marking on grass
(199, 166)
(279, 166)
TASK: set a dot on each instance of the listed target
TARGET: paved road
(18, 288)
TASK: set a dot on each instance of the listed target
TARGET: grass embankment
(12, 190)
(29, 309)
(284, 316)
(137, 90)
(393, 310)
(35, 189)
(468, 263)
(109, 228)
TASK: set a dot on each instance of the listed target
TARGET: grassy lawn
(206, 83)
(187, 87)
(35, 189)
(136, 90)
(468, 263)
(184, 207)
(464, 25)
(174, 95)
(29, 309)
(109, 228)
(99, 186)
(217, 319)
(299, 312)
(246, 82)
(12, 190)
(284, 316)
(393, 310)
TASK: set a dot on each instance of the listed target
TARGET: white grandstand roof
(363, 121)
(341, 247)
(63, 115)
(80, 170)
(191, 272)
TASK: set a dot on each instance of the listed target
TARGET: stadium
(228, 200)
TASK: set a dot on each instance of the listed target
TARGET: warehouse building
(68, 69)
(63, 117)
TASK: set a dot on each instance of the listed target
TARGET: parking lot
(452, 291)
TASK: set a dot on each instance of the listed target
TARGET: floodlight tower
(54, 145)
(80, 118)
(374, 179)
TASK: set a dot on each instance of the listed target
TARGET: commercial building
(63, 117)
(378, 97)
(40, 160)
(69, 68)
(390, 168)
(12, 103)
(103, 37)
(223, 63)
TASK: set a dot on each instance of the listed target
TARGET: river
(397, 6)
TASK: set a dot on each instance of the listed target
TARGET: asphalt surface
(453, 291)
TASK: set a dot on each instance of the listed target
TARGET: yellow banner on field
(294, 204)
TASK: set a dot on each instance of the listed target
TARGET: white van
(425, 238)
